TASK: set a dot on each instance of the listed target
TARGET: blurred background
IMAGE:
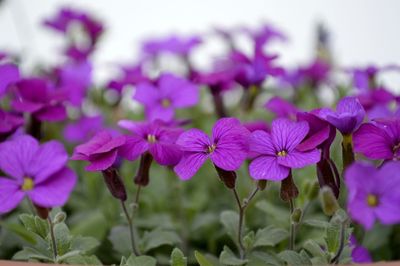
(361, 31)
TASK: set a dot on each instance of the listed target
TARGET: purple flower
(227, 148)
(36, 171)
(264, 35)
(348, 116)
(170, 93)
(9, 123)
(130, 75)
(101, 151)
(373, 193)
(154, 137)
(257, 125)
(9, 74)
(282, 108)
(34, 96)
(379, 140)
(277, 151)
(83, 129)
(174, 44)
(359, 253)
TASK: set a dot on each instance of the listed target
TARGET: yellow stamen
(28, 184)
(151, 138)
(372, 200)
(166, 103)
(211, 148)
(282, 153)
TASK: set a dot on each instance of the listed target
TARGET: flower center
(282, 153)
(151, 138)
(211, 148)
(372, 200)
(166, 103)
(28, 184)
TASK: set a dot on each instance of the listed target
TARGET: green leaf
(28, 221)
(67, 255)
(278, 213)
(248, 240)
(227, 257)
(42, 228)
(157, 238)
(84, 244)
(119, 238)
(178, 258)
(83, 260)
(30, 253)
(63, 238)
(293, 258)
(270, 236)
(316, 223)
(259, 258)
(140, 261)
(315, 249)
(20, 230)
(332, 237)
(230, 221)
(201, 259)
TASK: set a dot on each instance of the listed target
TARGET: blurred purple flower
(348, 116)
(36, 97)
(373, 193)
(154, 137)
(359, 253)
(282, 108)
(83, 129)
(257, 125)
(277, 151)
(264, 35)
(227, 148)
(130, 75)
(9, 123)
(101, 151)
(37, 171)
(9, 74)
(379, 140)
(170, 93)
(176, 45)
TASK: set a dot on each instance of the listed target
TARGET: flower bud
(296, 216)
(262, 184)
(60, 217)
(288, 188)
(328, 201)
(142, 177)
(228, 177)
(41, 211)
(347, 150)
(114, 183)
(328, 175)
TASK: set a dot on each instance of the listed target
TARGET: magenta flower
(277, 151)
(348, 116)
(83, 129)
(282, 108)
(257, 125)
(101, 151)
(9, 123)
(36, 171)
(227, 148)
(170, 93)
(154, 137)
(373, 193)
(130, 75)
(34, 96)
(379, 140)
(359, 254)
(9, 74)
(173, 44)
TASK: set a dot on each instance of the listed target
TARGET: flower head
(277, 151)
(154, 137)
(9, 74)
(36, 97)
(130, 75)
(348, 116)
(101, 151)
(373, 193)
(170, 93)
(359, 254)
(227, 148)
(36, 171)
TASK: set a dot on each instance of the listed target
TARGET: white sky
(362, 31)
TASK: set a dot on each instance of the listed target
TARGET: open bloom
(373, 193)
(170, 93)
(9, 74)
(154, 137)
(359, 254)
(36, 97)
(101, 151)
(379, 140)
(36, 171)
(348, 116)
(281, 107)
(276, 152)
(227, 148)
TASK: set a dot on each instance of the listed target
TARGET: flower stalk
(52, 237)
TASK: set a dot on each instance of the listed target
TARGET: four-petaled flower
(275, 152)
(39, 172)
(227, 148)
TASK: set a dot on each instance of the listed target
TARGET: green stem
(130, 225)
(292, 227)
(53, 238)
(336, 258)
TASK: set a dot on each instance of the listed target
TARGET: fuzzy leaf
(315, 249)
(63, 238)
(83, 260)
(30, 253)
(201, 259)
(259, 258)
(227, 257)
(270, 236)
(157, 238)
(316, 223)
(119, 237)
(293, 258)
(140, 261)
(84, 244)
(178, 258)
(230, 221)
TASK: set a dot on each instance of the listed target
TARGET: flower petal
(146, 94)
(10, 195)
(287, 134)
(179, 91)
(189, 164)
(52, 113)
(261, 143)
(267, 167)
(194, 140)
(297, 159)
(134, 146)
(95, 143)
(102, 161)
(360, 212)
(166, 154)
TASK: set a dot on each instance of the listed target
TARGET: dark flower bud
(262, 184)
(35, 128)
(228, 177)
(328, 175)
(296, 216)
(288, 188)
(114, 183)
(347, 150)
(328, 201)
(41, 211)
(60, 217)
(142, 177)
